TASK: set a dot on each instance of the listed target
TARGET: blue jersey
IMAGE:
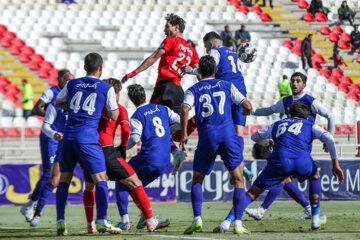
(212, 106)
(292, 139)
(86, 100)
(155, 134)
(229, 68)
(306, 99)
(55, 91)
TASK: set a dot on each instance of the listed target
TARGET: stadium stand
(40, 36)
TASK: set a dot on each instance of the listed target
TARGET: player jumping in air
(84, 99)
(291, 140)
(212, 100)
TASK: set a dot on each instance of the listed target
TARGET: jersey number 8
(159, 129)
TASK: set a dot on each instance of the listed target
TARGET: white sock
(60, 220)
(151, 221)
(308, 208)
(226, 224)
(101, 221)
(262, 210)
(91, 223)
(238, 223)
(315, 218)
(125, 218)
(198, 219)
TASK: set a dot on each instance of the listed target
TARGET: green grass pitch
(278, 223)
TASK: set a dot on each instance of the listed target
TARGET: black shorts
(167, 93)
(116, 167)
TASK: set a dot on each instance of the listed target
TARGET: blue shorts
(275, 172)
(146, 172)
(59, 151)
(48, 148)
(237, 116)
(89, 155)
(230, 151)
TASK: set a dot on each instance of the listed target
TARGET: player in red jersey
(118, 169)
(174, 53)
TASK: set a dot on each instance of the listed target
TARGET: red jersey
(178, 53)
(107, 128)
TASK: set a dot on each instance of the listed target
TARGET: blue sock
(315, 193)
(296, 194)
(272, 195)
(61, 197)
(102, 199)
(244, 203)
(122, 198)
(45, 195)
(40, 184)
(231, 216)
(196, 198)
(238, 200)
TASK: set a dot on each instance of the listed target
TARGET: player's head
(309, 36)
(174, 26)
(299, 110)
(116, 85)
(93, 64)
(24, 82)
(297, 83)
(212, 40)
(356, 27)
(207, 67)
(242, 27)
(227, 28)
(64, 76)
(136, 94)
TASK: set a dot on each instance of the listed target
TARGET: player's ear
(100, 68)
(216, 70)
(85, 68)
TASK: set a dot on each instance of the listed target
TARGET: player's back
(178, 53)
(86, 100)
(155, 138)
(292, 139)
(213, 108)
(229, 68)
(306, 99)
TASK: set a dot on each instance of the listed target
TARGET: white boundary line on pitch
(180, 237)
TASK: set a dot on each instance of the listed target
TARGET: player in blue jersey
(48, 145)
(291, 142)
(212, 100)
(297, 83)
(228, 69)
(151, 124)
(85, 99)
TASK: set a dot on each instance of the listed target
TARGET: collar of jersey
(207, 79)
(92, 77)
(298, 97)
(142, 105)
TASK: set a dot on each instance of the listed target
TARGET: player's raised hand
(186, 69)
(325, 148)
(128, 76)
(337, 171)
(58, 136)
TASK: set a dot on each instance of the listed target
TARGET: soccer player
(213, 99)
(228, 69)
(48, 146)
(53, 127)
(297, 84)
(151, 124)
(291, 140)
(85, 99)
(118, 169)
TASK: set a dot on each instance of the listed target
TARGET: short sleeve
(215, 54)
(136, 126)
(167, 44)
(63, 94)
(111, 104)
(189, 98)
(47, 96)
(266, 131)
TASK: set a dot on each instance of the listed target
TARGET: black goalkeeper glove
(122, 151)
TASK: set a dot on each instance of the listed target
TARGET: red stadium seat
(320, 59)
(303, 4)
(18, 42)
(337, 72)
(33, 65)
(2, 133)
(346, 80)
(255, 128)
(43, 73)
(325, 72)
(358, 58)
(334, 37)
(337, 130)
(27, 50)
(6, 42)
(24, 58)
(29, 133)
(37, 132)
(320, 17)
(9, 34)
(3, 29)
(343, 87)
(295, 0)
(38, 58)
(346, 129)
(246, 130)
(235, 3)
(53, 81)
(288, 44)
(354, 95)
(244, 9)
(298, 43)
(54, 72)
(337, 30)
(46, 65)
(355, 87)
(13, 133)
(15, 50)
(325, 30)
(257, 10)
(265, 17)
(316, 65)
(308, 17)
(346, 37)
(297, 51)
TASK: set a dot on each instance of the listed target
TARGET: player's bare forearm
(113, 115)
(337, 171)
(62, 105)
(184, 115)
(247, 108)
(150, 60)
(38, 109)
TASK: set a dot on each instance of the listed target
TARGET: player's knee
(89, 186)
(132, 182)
(198, 177)
(287, 180)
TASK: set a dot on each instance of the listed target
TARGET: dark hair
(174, 19)
(211, 35)
(260, 152)
(92, 62)
(299, 74)
(136, 94)
(115, 83)
(310, 35)
(62, 73)
(207, 66)
(298, 109)
(24, 80)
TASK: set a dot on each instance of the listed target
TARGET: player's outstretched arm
(49, 119)
(184, 116)
(277, 108)
(263, 137)
(145, 64)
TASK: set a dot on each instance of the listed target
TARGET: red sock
(190, 128)
(89, 203)
(142, 201)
